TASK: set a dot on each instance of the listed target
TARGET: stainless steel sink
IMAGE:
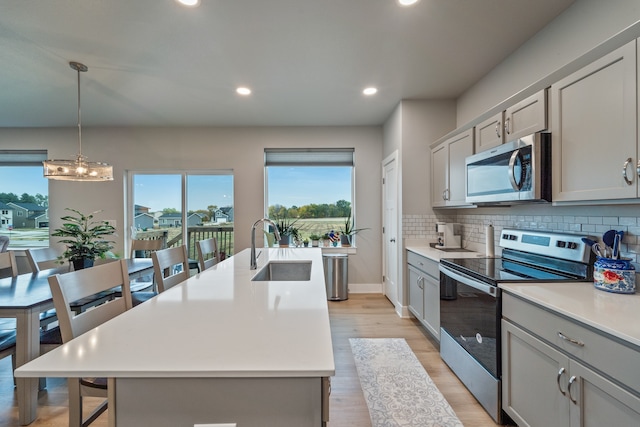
(284, 271)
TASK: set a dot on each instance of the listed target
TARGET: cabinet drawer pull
(571, 340)
(572, 380)
(498, 130)
(507, 126)
(624, 171)
(560, 374)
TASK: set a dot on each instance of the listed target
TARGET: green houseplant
(347, 231)
(287, 230)
(84, 238)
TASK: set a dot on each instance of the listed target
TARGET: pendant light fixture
(78, 169)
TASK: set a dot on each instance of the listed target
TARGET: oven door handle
(469, 281)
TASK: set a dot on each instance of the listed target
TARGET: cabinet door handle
(560, 374)
(445, 194)
(624, 171)
(498, 130)
(571, 340)
(507, 126)
(572, 380)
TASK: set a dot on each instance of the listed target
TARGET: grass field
(318, 226)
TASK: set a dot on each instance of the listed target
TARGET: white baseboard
(365, 288)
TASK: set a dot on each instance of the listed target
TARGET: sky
(23, 180)
(287, 186)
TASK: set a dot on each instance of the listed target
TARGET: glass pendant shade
(78, 169)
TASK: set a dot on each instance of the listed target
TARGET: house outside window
(24, 199)
(181, 206)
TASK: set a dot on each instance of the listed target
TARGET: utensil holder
(614, 275)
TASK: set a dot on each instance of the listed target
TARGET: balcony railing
(173, 237)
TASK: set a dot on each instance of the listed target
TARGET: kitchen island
(219, 348)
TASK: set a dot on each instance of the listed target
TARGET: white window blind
(308, 157)
(22, 157)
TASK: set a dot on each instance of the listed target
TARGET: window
(24, 199)
(312, 188)
(183, 207)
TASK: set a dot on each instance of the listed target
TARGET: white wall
(240, 149)
(581, 27)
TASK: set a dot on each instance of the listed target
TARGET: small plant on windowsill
(84, 238)
(348, 231)
(315, 240)
(287, 231)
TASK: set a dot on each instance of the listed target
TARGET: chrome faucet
(254, 263)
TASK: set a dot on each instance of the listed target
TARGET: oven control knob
(572, 245)
(561, 244)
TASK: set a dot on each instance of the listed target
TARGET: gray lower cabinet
(544, 384)
(424, 291)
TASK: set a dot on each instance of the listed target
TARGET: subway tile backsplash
(424, 227)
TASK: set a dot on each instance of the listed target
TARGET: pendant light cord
(79, 118)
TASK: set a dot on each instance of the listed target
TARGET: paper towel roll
(489, 241)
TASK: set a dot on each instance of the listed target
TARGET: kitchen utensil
(608, 237)
(616, 246)
(595, 246)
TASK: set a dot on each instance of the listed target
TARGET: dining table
(24, 297)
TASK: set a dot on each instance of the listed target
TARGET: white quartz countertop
(437, 254)
(614, 314)
(216, 324)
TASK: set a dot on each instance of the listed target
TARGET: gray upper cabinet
(524, 118)
(448, 186)
(594, 130)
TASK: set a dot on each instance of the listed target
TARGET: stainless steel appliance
(449, 235)
(516, 172)
(470, 302)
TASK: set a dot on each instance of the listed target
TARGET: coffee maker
(449, 235)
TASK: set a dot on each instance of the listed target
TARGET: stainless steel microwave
(516, 172)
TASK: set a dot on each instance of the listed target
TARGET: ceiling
(157, 63)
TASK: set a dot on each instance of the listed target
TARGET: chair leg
(95, 414)
(75, 402)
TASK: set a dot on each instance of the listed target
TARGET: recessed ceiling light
(190, 3)
(243, 91)
(407, 2)
(370, 91)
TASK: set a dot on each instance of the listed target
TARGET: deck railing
(223, 234)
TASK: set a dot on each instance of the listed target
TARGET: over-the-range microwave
(516, 172)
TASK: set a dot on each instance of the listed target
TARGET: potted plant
(84, 238)
(348, 231)
(305, 242)
(326, 240)
(287, 231)
(315, 240)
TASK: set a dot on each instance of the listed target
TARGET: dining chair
(146, 245)
(43, 258)
(170, 266)
(208, 254)
(140, 291)
(76, 285)
(8, 262)
(4, 243)
(8, 346)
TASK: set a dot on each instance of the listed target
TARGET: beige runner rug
(397, 389)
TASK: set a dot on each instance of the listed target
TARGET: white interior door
(390, 234)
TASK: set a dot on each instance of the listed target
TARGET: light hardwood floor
(361, 316)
